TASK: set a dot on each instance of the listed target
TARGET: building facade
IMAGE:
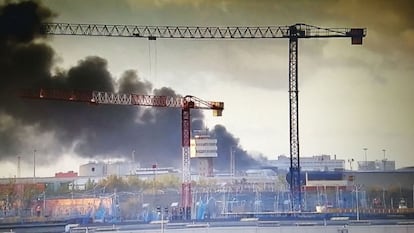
(313, 163)
(377, 165)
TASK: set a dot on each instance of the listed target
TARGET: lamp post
(366, 161)
(357, 201)
(350, 161)
(132, 165)
(154, 169)
(34, 165)
(384, 160)
(44, 202)
(18, 166)
(161, 212)
(232, 161)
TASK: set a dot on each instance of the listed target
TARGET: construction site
(203, 188)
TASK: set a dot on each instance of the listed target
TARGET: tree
(135, 184)
(113, 183)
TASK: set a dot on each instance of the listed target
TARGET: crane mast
(291, 32)
(294, 169)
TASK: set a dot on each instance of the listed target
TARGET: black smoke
(102, 131)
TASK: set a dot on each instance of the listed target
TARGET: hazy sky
(351, 97)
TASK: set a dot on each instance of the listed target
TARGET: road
(248, 226)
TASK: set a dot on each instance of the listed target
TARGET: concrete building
(66, 174)
(313, 163)
(203, 149)
(377, 165)
(102, 169)
(91, 169)
(337, 189)
(389, 179)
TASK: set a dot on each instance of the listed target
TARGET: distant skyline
(351, 97)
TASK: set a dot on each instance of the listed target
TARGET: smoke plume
(102, 131)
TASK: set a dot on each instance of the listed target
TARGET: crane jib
(100, 97)
(200, 32)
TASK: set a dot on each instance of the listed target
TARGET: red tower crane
(186, 103)
(292, 32)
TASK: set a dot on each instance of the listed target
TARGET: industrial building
(313, 163)
(203, 149)
(102, 169)
(377, 165)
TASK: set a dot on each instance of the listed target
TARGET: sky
(350, 97)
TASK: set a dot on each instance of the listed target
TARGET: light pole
(162, 211)
(350, 161)
(162, 221)
(232, 161)
(34, 164)
(132, 165)
(366, 161)
(154, 168)
(384, 160)
(18, 166)
(357, 201)
(44, 202)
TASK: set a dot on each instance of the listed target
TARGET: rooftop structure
(101, 169)
(313, 163)
(377, 165)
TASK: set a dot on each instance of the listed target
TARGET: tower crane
(186, 103)
(291, 32)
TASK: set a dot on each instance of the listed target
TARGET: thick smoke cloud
(226, 142)
(89, 131)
